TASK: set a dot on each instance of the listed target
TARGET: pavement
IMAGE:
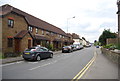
(102, 68)
(14, 59)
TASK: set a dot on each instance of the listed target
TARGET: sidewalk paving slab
(102, 68)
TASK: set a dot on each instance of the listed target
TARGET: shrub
(110, 46)
(50, 46)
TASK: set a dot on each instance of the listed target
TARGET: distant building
(84, 41)
(76, 39)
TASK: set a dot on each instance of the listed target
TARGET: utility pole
(118, 12)
(68, 22)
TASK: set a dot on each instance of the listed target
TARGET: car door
(42, 52)
(46, 52)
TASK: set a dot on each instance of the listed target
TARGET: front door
(29, 43)
(17, 45)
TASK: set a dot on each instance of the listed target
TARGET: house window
(30, 28)
(36, 30)
(42, 32)
(10, 42)
(10, 23)
(47, 32)
(60, 36)
(52, 33)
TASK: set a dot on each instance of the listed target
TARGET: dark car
(67, 49)
(37, 53)
(97, 46)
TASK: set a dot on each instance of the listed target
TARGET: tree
(105, 35)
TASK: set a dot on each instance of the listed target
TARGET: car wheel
(38, 58)
(51, 55)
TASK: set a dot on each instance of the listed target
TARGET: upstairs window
(60, 36)
(10, 23)
(36, 30)
(30, 28)
(42, 32)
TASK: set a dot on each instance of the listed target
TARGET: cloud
(92, 16)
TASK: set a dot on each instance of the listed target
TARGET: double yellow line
(82, 72)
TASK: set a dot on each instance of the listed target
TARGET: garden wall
(112, 54)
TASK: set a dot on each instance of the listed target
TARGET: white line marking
(11, 63)
(43, 65)
(6, 64)
(19, 62)
(39, 66)
(33, 62)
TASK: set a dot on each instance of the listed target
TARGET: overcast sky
(91, 16)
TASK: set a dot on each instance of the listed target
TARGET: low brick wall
(111, 54)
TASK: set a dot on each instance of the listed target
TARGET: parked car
(37, 53)
(67, 49)
(74, 47)
(78, 46)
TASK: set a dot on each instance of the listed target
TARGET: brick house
(21, 30)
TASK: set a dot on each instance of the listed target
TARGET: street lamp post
(67, 22)
(118, 4)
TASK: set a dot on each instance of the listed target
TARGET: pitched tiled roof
(75, 36)
(33, 21)
(41, 37)
(21, 34)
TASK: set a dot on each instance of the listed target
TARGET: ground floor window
(10, 42)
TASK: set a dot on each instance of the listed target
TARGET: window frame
(10, 23)
(36, 30)
(42, 32)
(10, 42)
(30, 28)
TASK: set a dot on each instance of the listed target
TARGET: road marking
(82, 72)
(33, 62)
(6, 64)
(19, 62)
(39, 66)
(43, 65)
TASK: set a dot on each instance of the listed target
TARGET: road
(61, 66)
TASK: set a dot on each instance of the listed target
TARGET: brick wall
(112, 55)
(19, 24)
(112, 41)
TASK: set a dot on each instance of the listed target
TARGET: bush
(50, 46)
(110, 46)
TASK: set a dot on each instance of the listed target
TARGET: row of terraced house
(21, 30)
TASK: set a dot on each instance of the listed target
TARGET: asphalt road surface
(61, 66)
